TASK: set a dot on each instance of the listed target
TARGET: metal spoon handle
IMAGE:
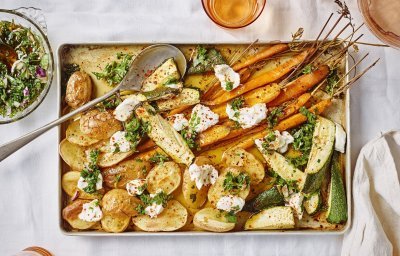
(12, 146)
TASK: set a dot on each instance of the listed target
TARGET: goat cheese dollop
(136, 187)
(202, 118)
(82, 183)
(203, 175)
(247, 117)
(118, 142)
(154, 210)
(295, 201)
(275, 141)
(178, 122)
(340, 138)
(228, 78)
(230, 203)
(91, 211)
(125, 110)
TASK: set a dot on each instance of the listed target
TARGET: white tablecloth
(29, 178)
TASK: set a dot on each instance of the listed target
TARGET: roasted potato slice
(79, 89)
(118, 175)
(194, 198)
(118, 203)
(279, 217)
(115, 223)
(217, 190)
(251, 165)
(98, 124)
(73, 154)
(69, 183)
(71, 212)
(165, 176)
(211, 219)
(172, 218)
(76, 136)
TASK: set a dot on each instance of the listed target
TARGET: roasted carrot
(266, 78)
(210, 136)
(300, 85)
(294, 106)
(266, 53)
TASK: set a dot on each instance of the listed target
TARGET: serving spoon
(148, 59)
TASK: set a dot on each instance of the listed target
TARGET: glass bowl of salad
(26, 62)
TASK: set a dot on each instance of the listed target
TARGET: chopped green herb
(158, 158)
(110, 103)
(140, 209)
(115, 71)
(231, 217)
(229, 85)
(307, 69)
(273, 117)
(117, 179)
(135, 130)
(237, 183)
(91, 172)
(189, 136)
(237, 103)
(332, 81)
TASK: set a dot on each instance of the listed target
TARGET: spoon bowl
(148, 60)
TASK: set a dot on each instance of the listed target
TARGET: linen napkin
(375, 229)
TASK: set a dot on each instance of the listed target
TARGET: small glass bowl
(207, 6)
(31, 18)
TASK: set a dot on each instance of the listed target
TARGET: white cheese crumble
(296, 202)
(82, 183)
(340, 138)
(202, 118)
(203, 175)
(91, 211)
(154, 210)
(136, 187)
(228, 78)
(230, 203)
(276, 141)
(118, 142)
(174, 85)
(125, 110)
(247, 117)
(178, 121)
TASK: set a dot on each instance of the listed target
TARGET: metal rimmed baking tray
(343, 117)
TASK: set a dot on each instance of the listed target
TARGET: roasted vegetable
(268, 198)
(165, 75)
(280, 217)
(211, 219)
(79, 89)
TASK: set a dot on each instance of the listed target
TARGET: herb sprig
(91, 172)
(115, 71)
(235, 184)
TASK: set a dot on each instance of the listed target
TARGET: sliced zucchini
(283, 168)
(165, 136)
(337, 205)
(320, 155)
(280, 217)
(313, 203)
(161, 93)
(268, 198)
(188, 96)
(166, 73)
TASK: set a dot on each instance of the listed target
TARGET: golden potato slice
(194, 198)
(241, 158)
(69, 182)
(117, 202)
(73, 154)
(118, 175)
(115, 223)
(172, 218)
(165, 176)
(76, 136)
(279, 217)
(98, 124)
(217, 190)
(71, 212)
(110, 159)
(211, 219)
